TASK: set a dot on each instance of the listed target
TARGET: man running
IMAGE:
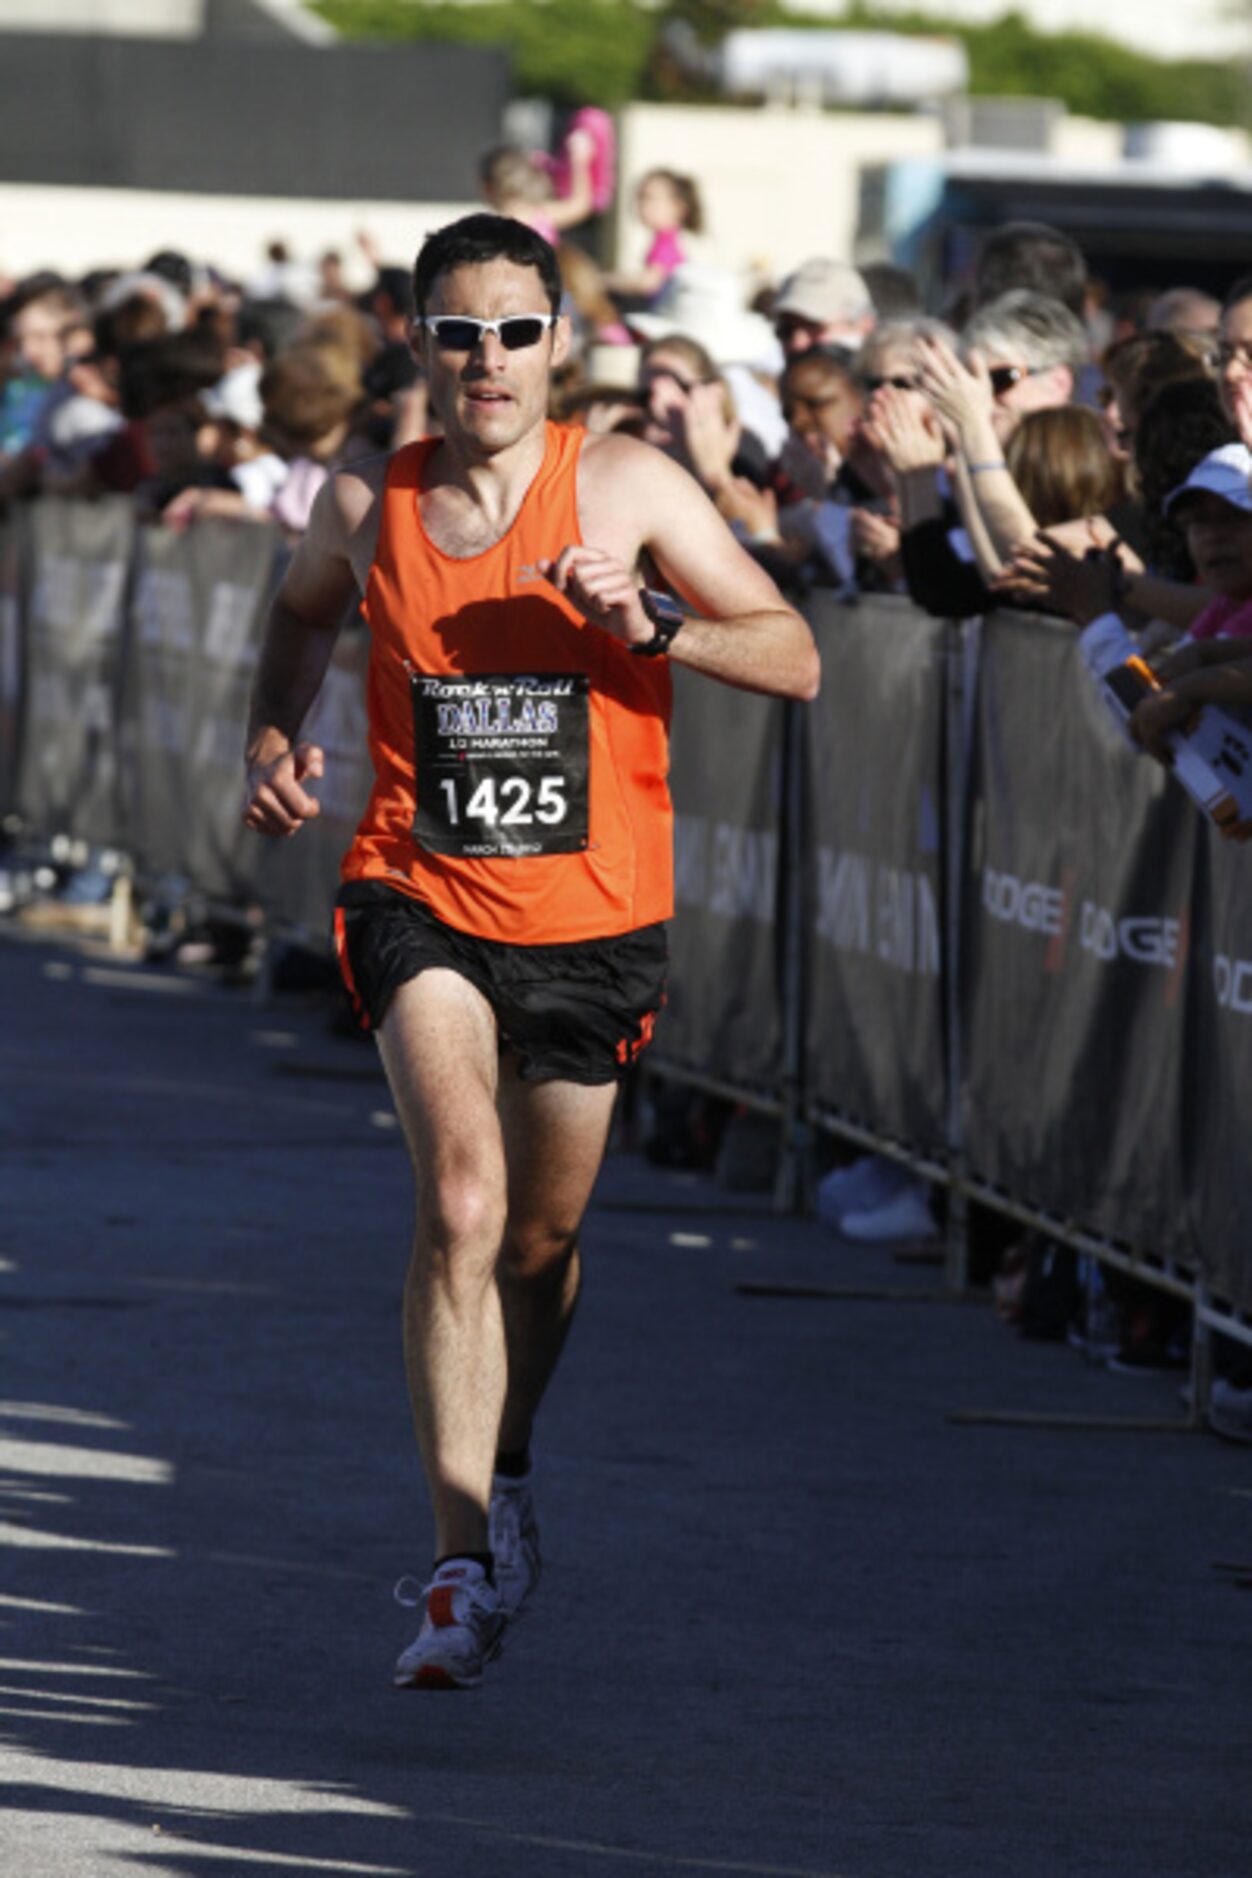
(500, 926)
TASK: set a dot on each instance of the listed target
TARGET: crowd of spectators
(1023, 443)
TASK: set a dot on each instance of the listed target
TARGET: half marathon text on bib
(501, 763)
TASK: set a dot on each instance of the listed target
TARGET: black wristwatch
(666, 615)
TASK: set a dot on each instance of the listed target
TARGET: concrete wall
(142, 19)
(264, 116)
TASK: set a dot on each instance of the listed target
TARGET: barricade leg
(956, 768)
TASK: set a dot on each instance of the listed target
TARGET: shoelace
(411, 1594)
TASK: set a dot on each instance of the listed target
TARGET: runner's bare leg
(504, 1171)
(554, 1137)
(441, 1053)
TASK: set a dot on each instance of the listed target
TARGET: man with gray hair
(1187, 312)
(1033, 348)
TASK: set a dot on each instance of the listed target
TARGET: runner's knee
(462, 1213)
(538, 1250)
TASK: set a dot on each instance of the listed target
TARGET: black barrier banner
(197, 613)
(1077, 922)
(12, 663)
(301, 875)
(1218, 1076)
(723, 1015)
(79, 556)
(876, 1007)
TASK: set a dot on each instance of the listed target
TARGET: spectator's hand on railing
(1180, 660)
(904, 429)
(1195, 655)
(193, 505)
(876, 538)
(1155, 718)
(1044, 573)
(810, 468)
(710, 437)
(961, 396)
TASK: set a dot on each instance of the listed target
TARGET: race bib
(502, 763)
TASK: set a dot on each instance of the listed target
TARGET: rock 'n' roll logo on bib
(501, 763)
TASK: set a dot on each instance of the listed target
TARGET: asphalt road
(794, 1620)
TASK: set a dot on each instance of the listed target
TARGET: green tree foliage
(575, 51)
(1092, 75)
(604, 52)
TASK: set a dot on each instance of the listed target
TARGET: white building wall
(139, 19)
(778, 185)
(1186, 29)
(75, 230)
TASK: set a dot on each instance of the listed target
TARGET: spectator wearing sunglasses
(1234, 358)
(1021, 353)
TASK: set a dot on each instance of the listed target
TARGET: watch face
(660, 608)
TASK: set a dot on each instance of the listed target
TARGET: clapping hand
(709, 436)
(904, 430)
(961, 396)
(1080, 587)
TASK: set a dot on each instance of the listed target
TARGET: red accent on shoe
(431, 1677)
(440, 1606)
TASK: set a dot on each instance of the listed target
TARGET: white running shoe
(906, 1215)
(513, 1535)
(462, 1631)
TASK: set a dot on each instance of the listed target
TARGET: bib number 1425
(501, 763)
(513, 802)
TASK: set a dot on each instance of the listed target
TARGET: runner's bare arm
(745, 633)
(305, 617)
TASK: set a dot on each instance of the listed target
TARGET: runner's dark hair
(1236, 294)
(479, 238)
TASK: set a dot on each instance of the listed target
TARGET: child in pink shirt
(669, 206)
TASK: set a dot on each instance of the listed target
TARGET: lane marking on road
(144, 981)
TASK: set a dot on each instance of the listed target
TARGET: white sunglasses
(457, 332)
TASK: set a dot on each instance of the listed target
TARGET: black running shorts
(573, 1013)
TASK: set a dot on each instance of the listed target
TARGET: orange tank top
(520, 755)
